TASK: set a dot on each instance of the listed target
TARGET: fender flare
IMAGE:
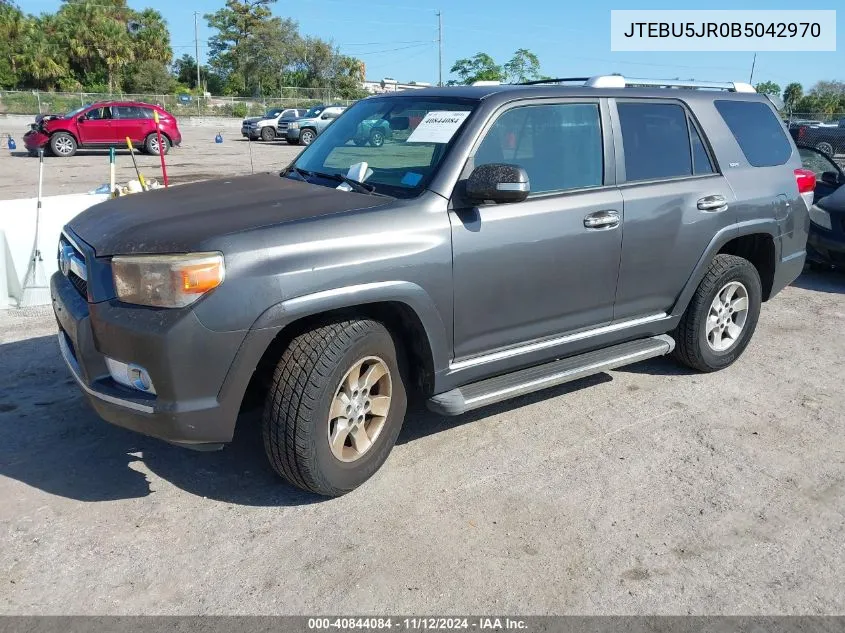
(768, 226)
(280, 315)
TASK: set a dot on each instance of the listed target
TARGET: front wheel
(335, 406)
(268, 134)
(376, 138)
(306, 137)
(62, 144)
(825, 148)
(722, 315)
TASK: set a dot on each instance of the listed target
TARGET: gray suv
(502, 240)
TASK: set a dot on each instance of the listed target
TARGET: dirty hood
(181, 218)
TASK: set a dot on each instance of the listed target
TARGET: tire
(377, 138)
(151, 144)
(268, 134)
(692, 345)
(297, 425)
(63, 145)
(826, 148)
(817, 267)
(307, 136)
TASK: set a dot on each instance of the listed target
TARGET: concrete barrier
(17, 236)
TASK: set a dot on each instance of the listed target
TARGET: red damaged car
(100, 125)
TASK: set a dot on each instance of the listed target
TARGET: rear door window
(757, 130)
(656, 140)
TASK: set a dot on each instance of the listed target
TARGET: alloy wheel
(727, 316)
(359, 409)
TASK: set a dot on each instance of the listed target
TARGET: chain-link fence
(35, 102)
(825, 132)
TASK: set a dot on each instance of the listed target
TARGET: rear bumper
(176, 350)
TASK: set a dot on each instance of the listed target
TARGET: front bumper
(292, 134)
(187, 362)
(826, 247)
(35, 140)
(249, 132)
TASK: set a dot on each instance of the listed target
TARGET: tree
(524, 66)
(150, 76)
(792, 95)
(769, 88)
(481, 67)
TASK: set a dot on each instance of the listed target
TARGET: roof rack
(619, 81)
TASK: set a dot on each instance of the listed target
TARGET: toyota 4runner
(502, 240)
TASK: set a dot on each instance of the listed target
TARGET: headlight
(166, 281)
(293, 125)
(820, 217)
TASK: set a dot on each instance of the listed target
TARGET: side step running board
(490, 390)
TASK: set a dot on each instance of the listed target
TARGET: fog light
(130, 375)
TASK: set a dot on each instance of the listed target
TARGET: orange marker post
(160, 149)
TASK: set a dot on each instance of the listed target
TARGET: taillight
(802, 131)
(806, 180)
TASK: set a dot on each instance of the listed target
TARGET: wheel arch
(404, 308)
(755, 240)
(68, 132)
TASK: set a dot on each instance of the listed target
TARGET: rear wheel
(62, 144)
(268, 134)
(722, 315)
(306, 137)
(151, 144)
(825, 147)
(335, 407)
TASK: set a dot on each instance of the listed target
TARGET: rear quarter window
(757, 130)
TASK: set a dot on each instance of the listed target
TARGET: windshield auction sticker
(752, 31)
(438, 126)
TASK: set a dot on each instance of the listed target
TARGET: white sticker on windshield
(438, 126)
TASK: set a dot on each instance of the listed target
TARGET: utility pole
(439, 48)
(197, 47)
(754, 63)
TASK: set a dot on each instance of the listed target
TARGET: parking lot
(198, 158)
(645, 490)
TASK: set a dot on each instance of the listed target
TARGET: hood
(253, 119)
(180, 219)
(833, 202)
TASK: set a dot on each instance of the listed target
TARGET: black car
(826, 241)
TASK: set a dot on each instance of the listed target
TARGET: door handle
(713, 203)
(606, 219)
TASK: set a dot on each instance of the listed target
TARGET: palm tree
(792, 95)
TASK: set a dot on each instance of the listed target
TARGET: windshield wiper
(302, 173)
(356, 185)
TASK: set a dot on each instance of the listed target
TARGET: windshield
(403, 140)
(73, 113)
(315, 111)
(272, 114)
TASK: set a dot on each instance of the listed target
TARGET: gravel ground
(198, 158)
(645, 490)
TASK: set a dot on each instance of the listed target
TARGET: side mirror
(82, 118)
(498, 182)
(832, 178)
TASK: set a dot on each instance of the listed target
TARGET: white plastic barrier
(17, 222)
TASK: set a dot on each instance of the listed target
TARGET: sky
(398, 39)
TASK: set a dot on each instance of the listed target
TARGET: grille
(79, 283)
(283, 126)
